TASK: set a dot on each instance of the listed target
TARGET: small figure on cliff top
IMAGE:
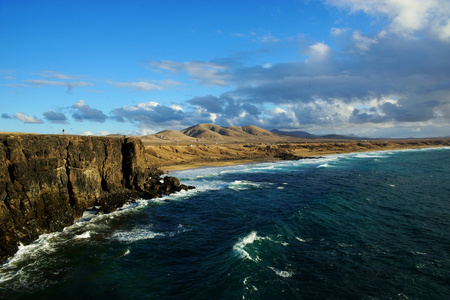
(64, 131)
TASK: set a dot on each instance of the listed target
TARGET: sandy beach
(175, 156)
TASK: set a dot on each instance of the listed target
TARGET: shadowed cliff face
(47, 181)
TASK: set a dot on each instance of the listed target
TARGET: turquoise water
(355, 226)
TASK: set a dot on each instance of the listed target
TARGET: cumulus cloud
(377, 80)
(85, 112)
(55, 117)
(406, 18)
(319, 51)
(397, 77)
(149, 114)
(27, 119)
(225, 108)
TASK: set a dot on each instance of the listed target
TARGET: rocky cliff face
(48, 181)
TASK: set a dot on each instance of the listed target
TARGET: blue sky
(375, 68)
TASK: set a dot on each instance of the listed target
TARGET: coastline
(175, 157)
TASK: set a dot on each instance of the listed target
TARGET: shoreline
(172, 170)
(174, 157)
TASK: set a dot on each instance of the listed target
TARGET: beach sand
(175, 156)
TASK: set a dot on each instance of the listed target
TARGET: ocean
(373, 225)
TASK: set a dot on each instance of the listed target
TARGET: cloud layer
(395, 75)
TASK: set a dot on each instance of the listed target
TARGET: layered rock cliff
(48, 181)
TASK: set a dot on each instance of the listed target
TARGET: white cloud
(363, 42)
(27, 119)
(140, 85)
(176, 107)
(338, 31)
(268, 38)
(207, 73)
(147, 105)
(168, 83)
(278, 110)
(148, 86)
(319, 51)
(52, 74)
(42, 82)
(406, 17)
(96, 133)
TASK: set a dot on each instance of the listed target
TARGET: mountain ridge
(212, 133)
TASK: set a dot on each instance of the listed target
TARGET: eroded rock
(48, 181)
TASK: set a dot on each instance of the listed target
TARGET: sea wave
(140, 233)
(244, 247)
(239, 185)
(136, 234)
(239, 247)
(281, 273)
(82, 230)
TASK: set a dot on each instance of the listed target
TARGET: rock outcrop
(48, 181)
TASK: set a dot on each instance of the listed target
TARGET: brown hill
(208, 131)
(256, 131)
(211, 133)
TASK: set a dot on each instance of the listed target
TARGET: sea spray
(239, 247)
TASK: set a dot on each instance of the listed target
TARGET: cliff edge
(48, 181)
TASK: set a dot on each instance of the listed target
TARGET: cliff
(48, 181)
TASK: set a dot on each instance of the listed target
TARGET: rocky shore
(48, 181)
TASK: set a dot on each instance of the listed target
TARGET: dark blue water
(356, 226)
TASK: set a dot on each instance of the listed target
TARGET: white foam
(300, 239)
(136, 234)
(248, 285)
(284, 274)
(323, 166)
(32, 254)
(143, 233)
(126, 253)
(85, 235)
(247, 240)
(44, 244)
(239, 185)
(377, 154)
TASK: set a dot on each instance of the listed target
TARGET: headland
(48, 181)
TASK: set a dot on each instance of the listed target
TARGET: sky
(371, 68)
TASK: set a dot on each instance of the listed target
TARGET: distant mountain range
(211, 133)
(307, 135)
